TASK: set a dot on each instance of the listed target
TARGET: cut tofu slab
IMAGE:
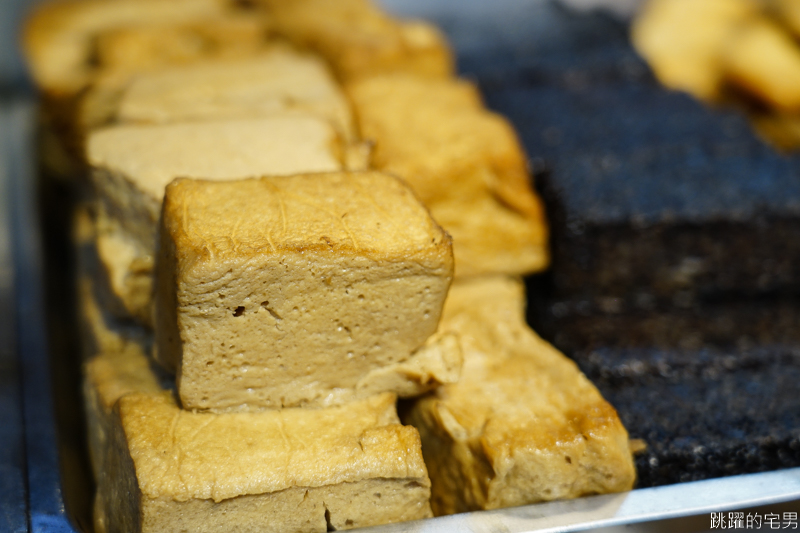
(59, 37)
(290, 470)
(278, 81)
(302, 470)
(465, 163)
(523, 424)
(359, 39)
(301, 290)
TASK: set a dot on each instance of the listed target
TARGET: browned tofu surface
(465, 163)
(298, 290)
(523, 424)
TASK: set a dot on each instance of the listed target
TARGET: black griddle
(675, 279)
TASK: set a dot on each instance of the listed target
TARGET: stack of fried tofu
(298, 214)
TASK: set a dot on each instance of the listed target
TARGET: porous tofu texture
(101, 330)
(523, 424)
(358, 39)
(301, 470)
(277, 81)
(132, 164)
(458, 158)
(300, 290)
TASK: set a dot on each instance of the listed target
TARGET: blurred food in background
(741, 52)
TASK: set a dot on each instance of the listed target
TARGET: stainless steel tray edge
(641, 505)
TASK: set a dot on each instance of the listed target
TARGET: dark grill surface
(676, 252)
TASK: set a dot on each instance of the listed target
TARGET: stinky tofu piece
(59, 37)
(359, 39)
(69, 44)
(301, 470)
(277, 82)
(523, 424)
(132, 164)
(684, 41)
(464, 162)
(300, 290)
(138, 48)
(712, 220)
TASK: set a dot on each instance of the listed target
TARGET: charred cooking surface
(675, 257)
(705, 413)
(648, 189)
(611, 322)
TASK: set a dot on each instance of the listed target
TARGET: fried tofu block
(301, 470)
(139, 48)
(276, 82)
(764, 60)
(68, 44)
(126, 269)
(782, 131)
(465, 163)
(358, 39)
(109, 375)
(101, 330)
(684, 41)
(59, 37)
(523, 424)
(301, 290)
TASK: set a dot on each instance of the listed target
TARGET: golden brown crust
(684, 41)
(58, 37)
(358, 39)
(184, 455)
(523, 424)
(165, 468)
(360, 213)
(311, 289)
(458, 158)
